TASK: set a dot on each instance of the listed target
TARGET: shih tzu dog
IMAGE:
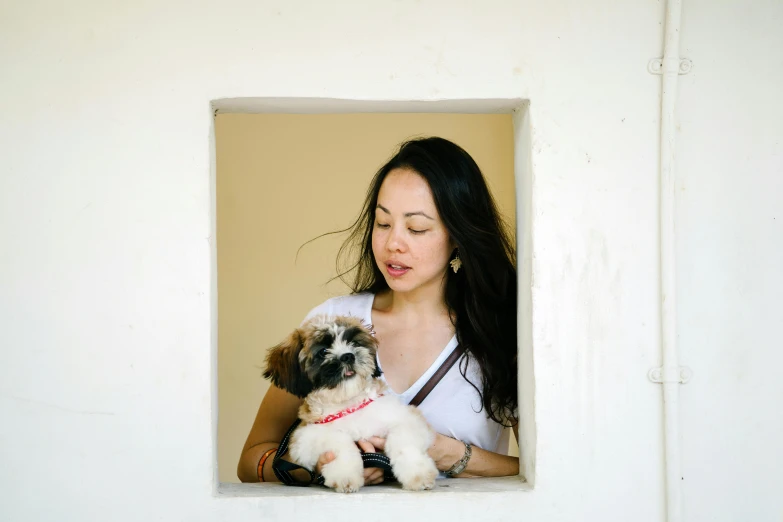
(330, 363)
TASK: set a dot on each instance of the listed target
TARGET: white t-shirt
(453, 407)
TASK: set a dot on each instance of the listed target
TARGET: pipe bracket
(677, 375)
(672, 65)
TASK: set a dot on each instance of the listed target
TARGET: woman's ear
(284, 369)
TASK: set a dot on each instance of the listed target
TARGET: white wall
(105, 264)
(730, 271)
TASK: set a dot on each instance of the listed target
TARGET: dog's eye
(321, 353)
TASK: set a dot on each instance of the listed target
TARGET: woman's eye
(382, 225)
(416, 231)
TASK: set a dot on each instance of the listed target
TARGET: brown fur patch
(283, 367)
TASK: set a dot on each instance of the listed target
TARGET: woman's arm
(446, 451)
(278, 410)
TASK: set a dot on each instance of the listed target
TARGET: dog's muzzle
(348, 359)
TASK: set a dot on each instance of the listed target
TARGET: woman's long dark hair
(482, 296)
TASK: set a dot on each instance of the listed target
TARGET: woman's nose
(394, 243)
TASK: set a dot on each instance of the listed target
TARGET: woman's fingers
(378, 442)
(375, 477)
(365, 446)
(323, 460)
(371, 475)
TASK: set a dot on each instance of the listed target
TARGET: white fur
(408, 436)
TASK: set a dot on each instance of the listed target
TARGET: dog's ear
(284, 369)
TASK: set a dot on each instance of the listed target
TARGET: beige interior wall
(282, 180)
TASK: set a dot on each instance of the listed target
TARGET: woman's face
(410, 243)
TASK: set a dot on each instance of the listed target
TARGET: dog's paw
(348, 486)
(416, 474)
(344, 484)
(420, 482)
(342, 478)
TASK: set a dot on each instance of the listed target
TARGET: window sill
(442, 486)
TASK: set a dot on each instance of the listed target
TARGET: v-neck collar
(416, 386)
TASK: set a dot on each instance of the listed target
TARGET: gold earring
(456, 263)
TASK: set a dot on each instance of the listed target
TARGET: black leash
(283, 468)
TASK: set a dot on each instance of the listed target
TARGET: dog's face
(323, 353)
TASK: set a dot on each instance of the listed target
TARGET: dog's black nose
(347, 358)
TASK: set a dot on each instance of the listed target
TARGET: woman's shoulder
(357, 305)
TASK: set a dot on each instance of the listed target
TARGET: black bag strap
(438, 375)
(282, 468)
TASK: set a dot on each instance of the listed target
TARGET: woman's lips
(395, 270)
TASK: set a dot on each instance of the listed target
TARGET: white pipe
(670, 371)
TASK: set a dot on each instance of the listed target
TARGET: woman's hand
(323, 460)
(372, 476)
(445, 451)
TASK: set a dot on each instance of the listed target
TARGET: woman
(435, 269)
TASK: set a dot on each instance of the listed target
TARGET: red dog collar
(343, 413)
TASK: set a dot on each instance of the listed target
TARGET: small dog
(330, 363)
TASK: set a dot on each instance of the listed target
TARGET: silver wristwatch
(462, 463)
